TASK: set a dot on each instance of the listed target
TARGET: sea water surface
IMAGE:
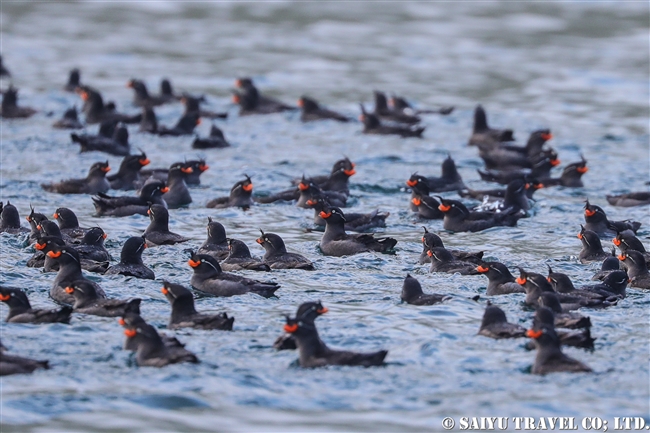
(581, 69)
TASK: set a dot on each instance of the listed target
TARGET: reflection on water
(580, 69)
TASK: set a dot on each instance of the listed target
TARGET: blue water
(580, 69)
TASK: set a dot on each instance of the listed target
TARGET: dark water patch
(171, 402)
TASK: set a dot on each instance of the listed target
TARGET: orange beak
(164, 189)
(520, 281)
(54, 254)
(416, 201)
(236, 98)
(482, 269)
(303, 186)
(69, 290)
(193, 263)
(616, 241)
(622, 257)
(322, 310)
(55, 215)
(324, 214)
(259, 241)
(589, 212)
(411, 183)
(4, 298)
(187, 170)
(350, 172)
(582, 170)
(555, 162)
(547, 137)
(247, 187)
(203, 167)
(104, 235)
(580, 236)
(130, 332)
(429, 253)
(310, 202)
(300, 103)
(121, 321)
(39, 246)
(533, 334)
(291, 328)
(144, 162)
(444, 207)
(164, 290)
(106, 169)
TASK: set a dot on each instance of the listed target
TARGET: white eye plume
(73, 257)
(210, 264)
